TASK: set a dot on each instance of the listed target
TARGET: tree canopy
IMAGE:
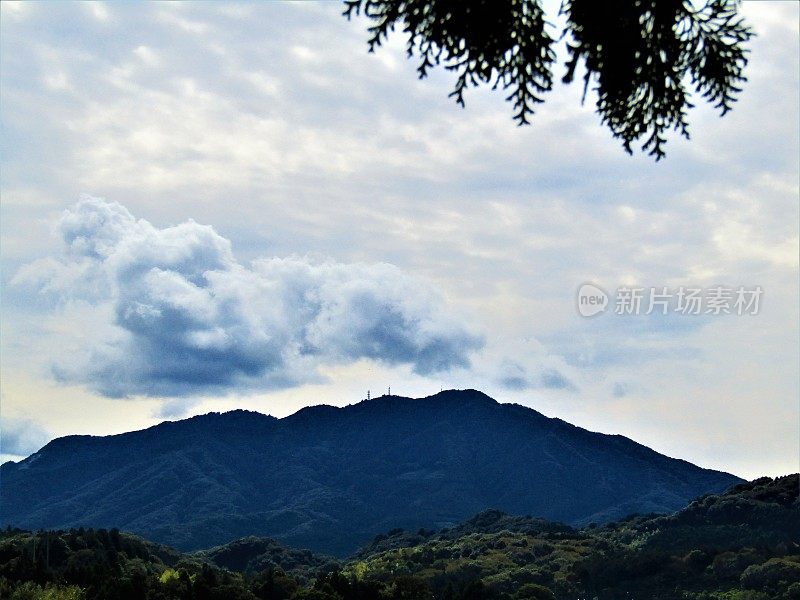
(645, 59)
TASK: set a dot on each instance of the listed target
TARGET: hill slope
(744, 543)
(331, 478)
(740, 545)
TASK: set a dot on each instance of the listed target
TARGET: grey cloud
(555, 380)
(21, 437)
(620, 389)
(191, 319)
(514, 383)
(175, 408)
(518, 377)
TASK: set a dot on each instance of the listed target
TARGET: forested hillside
(330, 479)
(740, 545)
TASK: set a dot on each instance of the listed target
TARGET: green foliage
(534, 591)
(33, 591)
(727, 546)
(255, 555)
(407, 588)
(313, 594)
(643, 57)
(690, 555)
(774, 576)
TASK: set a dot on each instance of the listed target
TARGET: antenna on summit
(367, 394)
(390, 390)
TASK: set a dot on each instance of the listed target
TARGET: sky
(210, 206)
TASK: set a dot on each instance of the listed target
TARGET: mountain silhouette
(330, 479)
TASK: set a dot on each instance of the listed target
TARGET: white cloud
(190, 318)
(98, 10)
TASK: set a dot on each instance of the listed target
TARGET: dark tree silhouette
(643, 58)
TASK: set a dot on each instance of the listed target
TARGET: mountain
(740, 545)
(331, 478)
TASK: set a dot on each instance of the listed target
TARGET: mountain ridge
(330, 478)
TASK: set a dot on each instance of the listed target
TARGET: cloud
(556, 380)
(535, 371)
(175, 408)
(21, 437)
(620, 389)
(188, 318)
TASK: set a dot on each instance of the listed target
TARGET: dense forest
(740, 545)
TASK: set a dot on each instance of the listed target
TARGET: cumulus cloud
(21, 437)
(187, 317)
